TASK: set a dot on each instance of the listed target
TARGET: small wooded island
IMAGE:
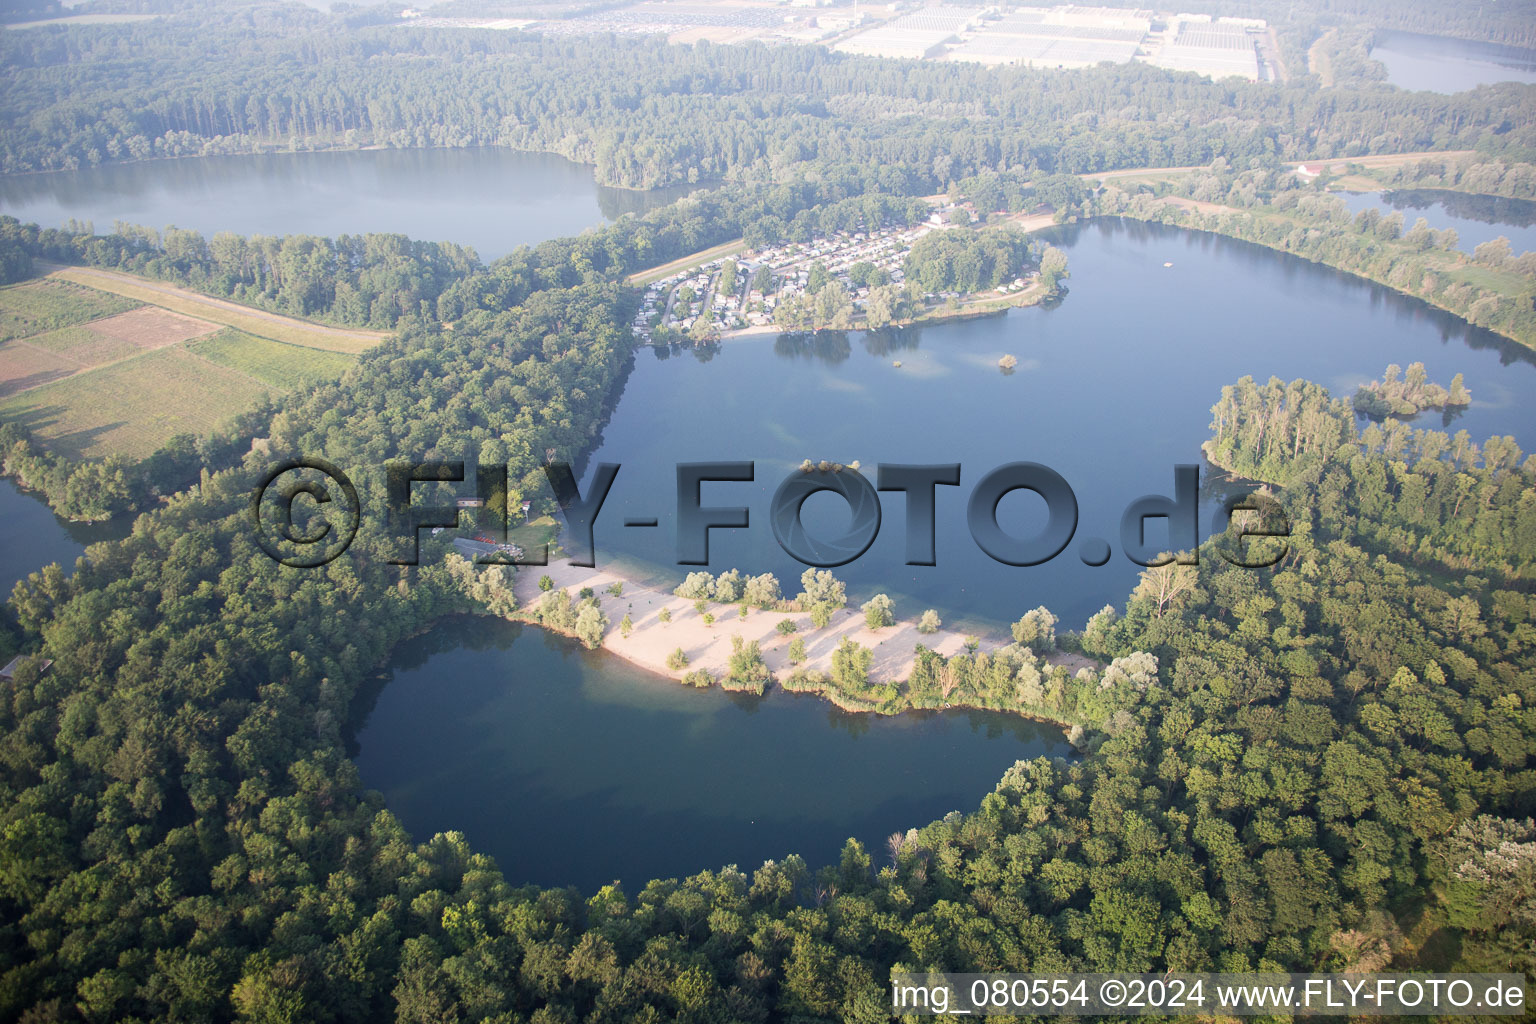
(1399, 394)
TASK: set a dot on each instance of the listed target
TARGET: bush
(616, 588)
(699, 678)
(786, 627)
(678, 659)
(585, 594)
(546, 584)
(930, 622)
(697, 585)
(709, 618)
(821, 615)
(665, 615)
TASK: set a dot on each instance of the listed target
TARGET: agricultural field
(32, 307)
(277, 364)
(91, 372)
(221, 311)
(133, 406)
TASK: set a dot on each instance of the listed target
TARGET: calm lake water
(571, 766)
(1113, 389)
(1439, 64)
(1477, 219)
(492, 199)
(31, 536)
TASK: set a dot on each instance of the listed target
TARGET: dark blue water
(1439, 64)
(573, 767)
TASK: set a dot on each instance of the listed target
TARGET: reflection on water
(491, 199)
(1440, 64)
(31, 536)
(1113, 389)
(572, 766)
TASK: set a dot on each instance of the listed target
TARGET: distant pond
(1441, 64)
(492, 199)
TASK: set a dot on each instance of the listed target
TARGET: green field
(280, 366)
(133, 407)
(33, 307)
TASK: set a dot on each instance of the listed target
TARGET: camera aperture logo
(306, 512)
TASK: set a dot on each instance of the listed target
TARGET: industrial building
(1217, 49)
(1066, 37)
(917, 35)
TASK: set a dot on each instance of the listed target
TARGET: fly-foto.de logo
(284, 511)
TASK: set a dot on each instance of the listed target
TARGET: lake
(573, 767)
(1476, 218)
(31, 536)
(1113, 389)
(1441, 64)
(491, 199)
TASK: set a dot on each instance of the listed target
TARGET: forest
(1325, 765)
(646, 114)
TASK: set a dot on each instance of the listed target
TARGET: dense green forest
(646, 113)
(1326, 765)
(1283, 763)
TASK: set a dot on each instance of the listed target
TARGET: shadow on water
(572, 766)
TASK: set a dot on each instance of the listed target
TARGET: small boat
(1167, 264)
(897, 364)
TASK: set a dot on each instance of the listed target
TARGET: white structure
(920, 34)
(1214, 49)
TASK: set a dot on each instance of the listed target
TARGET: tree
(1053, 267)
(761, 591)
(796, 651)
(818, 278)
(819, 586)
(677, 660)
(591, 624)
(546, 584)
(626, 626)
(762, 280)
(726, 285)
(850, 665)
(929, 622)
(878, 612)
(1036, 629)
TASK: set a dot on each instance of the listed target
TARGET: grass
(84, 346)
(278, 365)
(45, 305)
(132, 407)
(646, 277)
(262, 324)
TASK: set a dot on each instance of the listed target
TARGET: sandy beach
(709, 646)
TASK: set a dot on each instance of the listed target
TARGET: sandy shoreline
(708, 647)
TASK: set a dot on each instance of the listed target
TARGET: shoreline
(708, 647)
